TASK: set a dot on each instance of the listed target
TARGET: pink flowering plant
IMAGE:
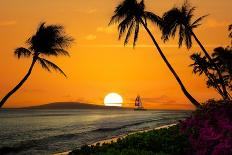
(209, 129)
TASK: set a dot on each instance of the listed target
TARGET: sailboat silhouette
(138, 104)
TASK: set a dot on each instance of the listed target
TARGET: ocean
(54, 131)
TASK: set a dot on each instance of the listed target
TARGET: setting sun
(113, 99)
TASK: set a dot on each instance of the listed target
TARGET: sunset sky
(99, 63)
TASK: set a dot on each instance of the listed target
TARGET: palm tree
(222, 57)
(49, 40)
(130, 15)
(200, 66)
(181, 19)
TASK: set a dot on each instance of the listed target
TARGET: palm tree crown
(48, 41)
(180, 19)
(130, 14)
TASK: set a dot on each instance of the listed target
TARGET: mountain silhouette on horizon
(71, 105)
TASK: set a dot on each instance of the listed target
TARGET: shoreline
(114, 139)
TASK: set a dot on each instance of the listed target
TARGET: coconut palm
(200, 66)
(181, 19)
(49, 40)
(223, 56)
(130, 15)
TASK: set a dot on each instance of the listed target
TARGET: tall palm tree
(130, 15)
(49, 40)
(182, 19)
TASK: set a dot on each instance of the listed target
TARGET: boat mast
(138, 102)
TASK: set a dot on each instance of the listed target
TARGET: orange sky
(99, 63)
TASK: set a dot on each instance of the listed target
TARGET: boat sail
(138, 104)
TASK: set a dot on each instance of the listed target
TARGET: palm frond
(188, 38)
(230, 29)
(136, 33)
(115, 19)
(153, 18)
(197, 23)
(43, 64)
(49, 38)
(46, 64)
(123, 26)
(129, 31)
(56, 52)
(122, 11)
(181, 35)
(169, 24)
(22, 52)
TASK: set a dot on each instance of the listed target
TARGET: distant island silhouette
(71, 105)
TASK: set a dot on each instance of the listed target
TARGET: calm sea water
(53, 131)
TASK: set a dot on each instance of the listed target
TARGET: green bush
(157, 142)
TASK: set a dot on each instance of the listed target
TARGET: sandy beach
(114, 139)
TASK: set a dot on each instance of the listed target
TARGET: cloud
(90, 37)
(108, 29)
(214, 23)
(91, 11)
(7, 23)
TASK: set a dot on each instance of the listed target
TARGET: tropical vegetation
(209, 129)
(130, 15)
(49, 40)
(222, 57)
(180, 21)
(159, 142)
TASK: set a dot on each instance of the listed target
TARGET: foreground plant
(180, 21)
(210, 129)
(157, 142)
(49, 40)
(130, 15)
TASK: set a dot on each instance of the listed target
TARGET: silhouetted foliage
(209, 128)
(159, 142)
(129, 15)
(49, 40)
(222, 57)
(180, 20)
(230, 32)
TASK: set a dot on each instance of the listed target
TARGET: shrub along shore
(207, 131)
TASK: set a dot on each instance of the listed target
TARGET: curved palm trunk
(225, 93)
(191, 99)
(20, 83)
